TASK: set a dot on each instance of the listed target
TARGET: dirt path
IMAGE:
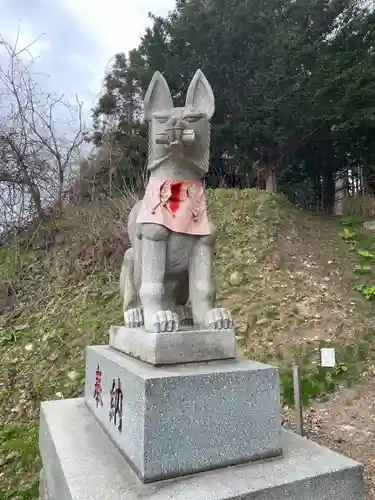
(346, 423)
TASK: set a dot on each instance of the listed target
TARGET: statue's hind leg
(185, 314)
(176, 294)
(183, 306)
(202, 287)
(132, 307)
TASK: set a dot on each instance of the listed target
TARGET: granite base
(182, 419)
(81, 463)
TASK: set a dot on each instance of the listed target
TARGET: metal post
(297, 398)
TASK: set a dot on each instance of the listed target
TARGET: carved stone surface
(170, 262)
(84, 464)
(166, 348)
(181, 419)
(43, 489)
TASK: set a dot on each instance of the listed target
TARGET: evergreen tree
(119, 131)
(293, 81)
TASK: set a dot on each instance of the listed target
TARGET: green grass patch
(362, 245)
(317, 381)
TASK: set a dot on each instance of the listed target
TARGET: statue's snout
(176, 133)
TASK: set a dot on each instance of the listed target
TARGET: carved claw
(133, 318)
(163, 321)
(219, 319)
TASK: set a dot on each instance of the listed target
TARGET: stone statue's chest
(179, 252)
(179, 205)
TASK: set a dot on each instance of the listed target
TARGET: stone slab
(183, 346)
(182, 419)
(81, 463)
(43, 490)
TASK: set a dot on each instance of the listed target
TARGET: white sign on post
(328, 357)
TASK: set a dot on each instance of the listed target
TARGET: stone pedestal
(207, 430)
(168, 348)
(187, 418)
(81, 463)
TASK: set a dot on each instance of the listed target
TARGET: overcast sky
(79, 37)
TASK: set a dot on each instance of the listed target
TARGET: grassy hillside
(287, 276)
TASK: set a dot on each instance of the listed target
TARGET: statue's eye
(192, 118)
(162, 119)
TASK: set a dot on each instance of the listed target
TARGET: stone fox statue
(167, 275)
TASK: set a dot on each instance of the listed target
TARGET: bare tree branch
(40, 136)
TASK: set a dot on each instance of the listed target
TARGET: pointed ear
(200, 95)
(158, 96)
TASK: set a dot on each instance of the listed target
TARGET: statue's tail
(127, 287)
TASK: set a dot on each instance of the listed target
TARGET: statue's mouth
(176, 138)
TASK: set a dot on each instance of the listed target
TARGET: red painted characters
(115, 405)
(98, 387)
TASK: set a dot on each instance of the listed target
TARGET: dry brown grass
(360, 204)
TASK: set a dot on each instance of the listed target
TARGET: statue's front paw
(162, 321)
(219, 319)
(133, 318)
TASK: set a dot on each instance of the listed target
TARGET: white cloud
(81, 37)
(114, 25)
